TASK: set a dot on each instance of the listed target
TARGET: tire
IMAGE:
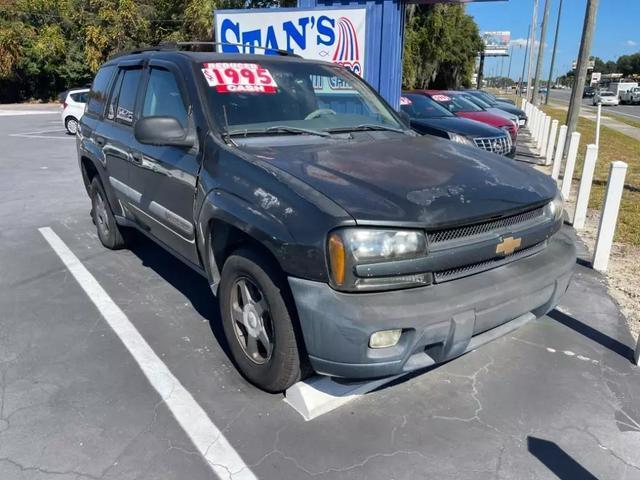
(109, 232)
(71, 124)
(269, 310)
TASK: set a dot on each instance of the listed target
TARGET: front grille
(497, 145)
(466, 270)
(440, 236)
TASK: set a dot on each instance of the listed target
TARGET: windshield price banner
(239, 77)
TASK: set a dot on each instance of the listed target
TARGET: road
(563, 96)
(557, 398)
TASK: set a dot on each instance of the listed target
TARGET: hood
(425, 180)
(502, 113)
(486, 117)
(461, 126)
(510, 109)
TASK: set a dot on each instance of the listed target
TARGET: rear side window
(123, 97)
(99, 93)
(80, 97)
(163, 97)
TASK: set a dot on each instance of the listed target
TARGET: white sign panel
(333, 35)
(496, 44)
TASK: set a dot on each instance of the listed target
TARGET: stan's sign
(334, 35)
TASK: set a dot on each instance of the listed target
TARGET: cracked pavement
(555, 399)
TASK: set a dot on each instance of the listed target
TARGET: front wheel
(258, 321)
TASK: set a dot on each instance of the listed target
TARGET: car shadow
(561, 464)
(582, 328)
(184, 279)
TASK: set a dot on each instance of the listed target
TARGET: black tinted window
(98, 94)
(163, 97)
(80, 97)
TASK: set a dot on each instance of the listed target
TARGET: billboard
(590, 66)
(330, 34)
(496, 44)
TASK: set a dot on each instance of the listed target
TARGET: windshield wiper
(367, 126)
(280, 129)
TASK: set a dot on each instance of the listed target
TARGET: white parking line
(24, 135)
(18, 113)
(207, 438)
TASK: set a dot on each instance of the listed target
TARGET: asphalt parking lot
(558, 398)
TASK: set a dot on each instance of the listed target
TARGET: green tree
(441, 45)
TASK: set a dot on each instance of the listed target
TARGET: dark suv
(336, 239)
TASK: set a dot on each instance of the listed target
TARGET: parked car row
(470, 117)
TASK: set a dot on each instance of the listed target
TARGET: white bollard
(609, 216)
(543, 121)
(551, 142)
(570, 166)
(598, 119)
(545, 135)
(557, 160)
(590, 159)
(522, 103)
(534, 126)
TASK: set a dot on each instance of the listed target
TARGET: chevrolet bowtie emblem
(508, 245)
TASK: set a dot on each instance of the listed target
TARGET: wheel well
(88, 171)
(228, 238)
(66, 119)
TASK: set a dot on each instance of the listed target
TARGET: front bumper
(439, 322)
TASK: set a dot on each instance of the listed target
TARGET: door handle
(136, 157)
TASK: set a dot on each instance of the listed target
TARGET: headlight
(555, 208)
(454, 137)
(356, 254)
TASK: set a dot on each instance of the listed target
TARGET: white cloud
(631, 43)
(522, 42)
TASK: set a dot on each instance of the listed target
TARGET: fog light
(385, 338)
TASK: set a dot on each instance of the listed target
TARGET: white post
(557, 160)
(598, 119)
(552, 142)
(545, 135)
(522, 103)
(570, 165)
(539, 131)
(590, 159)
(609, 215)
(536, 121)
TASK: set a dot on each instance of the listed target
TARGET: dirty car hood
(412, 180)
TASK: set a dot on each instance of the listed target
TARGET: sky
(617, 31)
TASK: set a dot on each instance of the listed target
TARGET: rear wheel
(258, 321)
(71, 124)
(108, 230)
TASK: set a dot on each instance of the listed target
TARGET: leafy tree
(441, 45)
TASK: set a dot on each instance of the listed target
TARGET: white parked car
(605, 97)
(73, 108)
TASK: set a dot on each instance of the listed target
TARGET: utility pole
(532, 43)
(510, 59)
(543, 35)
(553, 55)
(583, 63)
(480, 72)
(524, 62)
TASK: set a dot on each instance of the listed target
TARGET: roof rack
(174, 46)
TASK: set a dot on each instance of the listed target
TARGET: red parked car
(461, 107)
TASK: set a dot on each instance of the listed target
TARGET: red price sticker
(405, 101)
(441, 98)
(239, 77)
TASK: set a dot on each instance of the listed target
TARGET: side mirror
(404, 116)
(162, 131)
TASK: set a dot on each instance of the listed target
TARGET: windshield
(456, 103)
(606, 94)
(476, 101)
(420, 106)
(275, 97)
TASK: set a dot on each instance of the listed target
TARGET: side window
(123, 96)
(163, 97)
(98, 94)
